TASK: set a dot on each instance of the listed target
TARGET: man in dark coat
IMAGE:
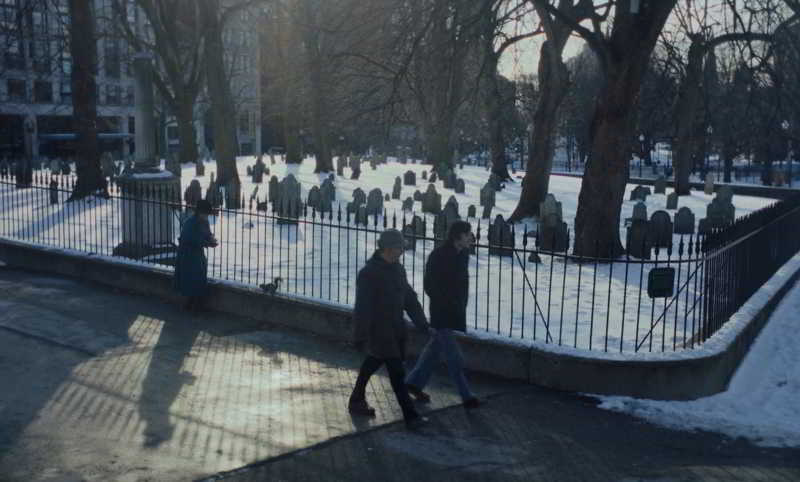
(447, 285)
(191, 277)
(382, 294)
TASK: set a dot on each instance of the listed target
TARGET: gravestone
(660, 185)
(431, 200)
(193, 193)
(359, 197)
(487, 195)
(487, 212)
(720, 213)
(672, 200)
(289, 201)
(418, 224)
(553, 234)
(396, 188)
(432, 177)
(249, 171)
(418, 196)
(660, 230)
(410, 178)
(460, 186)
(637, 241)
(408, 204)
(495, 182)
(439, 229)
(213, 196)
(355, 168)
(709, 185)
(424, 175)
(550, 207)
(373, 163)
(725, 194)
(387, 198)
(471, 211)
(314, 197)
(640, 193)
(328, 190)
(451, 201)
(199, 168)
(704, 226)
(640, 211)
(361, 215)
(684, 221)
(500, 238)
(274, 190)
(449, 180)
(340, 164)
(375, 202)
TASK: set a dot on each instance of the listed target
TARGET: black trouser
(397, 377)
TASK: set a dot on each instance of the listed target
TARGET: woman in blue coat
(191, 278)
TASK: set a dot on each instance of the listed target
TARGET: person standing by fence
(447, 284)
(382, 294)
(191, 276)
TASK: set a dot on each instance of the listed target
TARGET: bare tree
(84, 99)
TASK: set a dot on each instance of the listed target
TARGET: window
(244, 122)
(66, 62)
(113, 94)
(66, 92)
(112, 59)
(16, 90)
(42, 92)
(40, 51)
(39, 23)
(13, 55)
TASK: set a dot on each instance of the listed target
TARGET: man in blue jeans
(447, 285)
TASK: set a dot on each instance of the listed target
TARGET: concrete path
(106, 386)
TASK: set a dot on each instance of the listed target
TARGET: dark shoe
(418, 394)
(360, 407)
(472, 403)
(415, 423)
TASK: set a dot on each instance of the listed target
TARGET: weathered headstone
(289, 201)
(361, 215)
(487, 212)
(359, 197)
(355, 168)
(193, 193)
(418, 196)
(500, 238)
(449, 180)
(660, 185)
(328, 190)
(725, 194)
(410, 178)
(408, 204)
(672, 200)
(431, 201)
(660, 230)
(550, 207)
(439, 229)
(720, 213)
(375, 202)
(432, 177)
(274, 190)
(487, 195)
(495, 182)
(396, 189)
(199, 168)
(640, 193)
(709, 185)
(451, 201)
(460, 186)
(637, 241)
(471, 211)
(684, 221)
(424, 175)
(704, 226)
(314, 196)
(553, 234)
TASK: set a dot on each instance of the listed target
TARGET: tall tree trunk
(222, 109)
(686, 109)
(554, 78)
(84, 99)
(186, 132)
(494, 107)
(625, 56)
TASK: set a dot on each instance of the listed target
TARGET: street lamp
(641, 153)
(785, 127)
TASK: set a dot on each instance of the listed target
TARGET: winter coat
(447, 284)
(382, 294)
(191, 278)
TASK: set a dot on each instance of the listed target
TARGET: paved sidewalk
(100, 385)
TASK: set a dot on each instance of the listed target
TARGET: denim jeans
(444, 343)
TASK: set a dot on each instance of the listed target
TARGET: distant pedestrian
(447, 285)
(382, 294)
(191, 277)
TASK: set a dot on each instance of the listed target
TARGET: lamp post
(785, 126)
(641, 153)
(709, 131)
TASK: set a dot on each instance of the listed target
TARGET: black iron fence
(673, 301)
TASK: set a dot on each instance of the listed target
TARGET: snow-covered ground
(761, 403)
(605, 306)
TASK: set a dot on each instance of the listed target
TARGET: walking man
(191, 277)
(382, 294)
(447, 285)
